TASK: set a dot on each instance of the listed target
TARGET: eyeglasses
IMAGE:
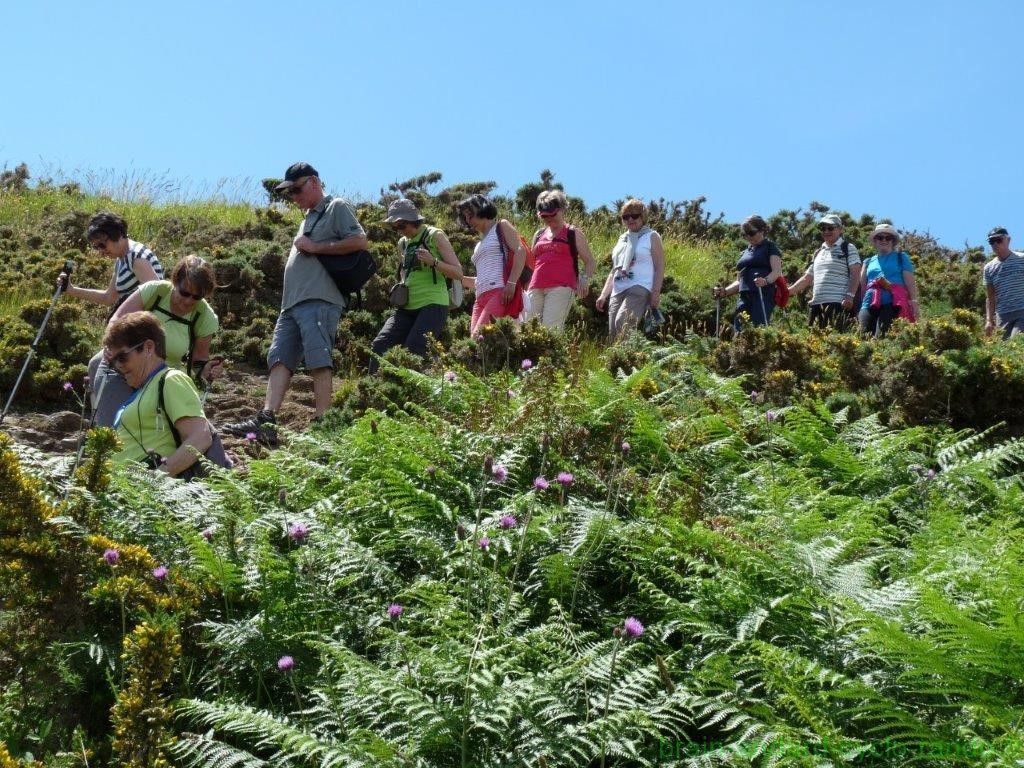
(632, 216)
(186, 295)
(122, 357)
(296, 190)
(995, 240)
(827, 227)
(884, 238)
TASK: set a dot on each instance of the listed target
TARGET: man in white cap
(833, 275)
(311, 304)
(1004, 286)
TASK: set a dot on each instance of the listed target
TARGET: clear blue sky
(908, 110)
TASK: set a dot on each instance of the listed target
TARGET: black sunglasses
(826, 227)
(632, 216)
(182, 292)
(995, 240)
(122, 357)
(296, 189)
(885, 238)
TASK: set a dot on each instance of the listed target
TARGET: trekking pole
(718, 317)
(61, 285)
(85, 433)
(764, 311)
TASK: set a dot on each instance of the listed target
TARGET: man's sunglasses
(187, 295)
(122, 357)
(827, 227)
(995, 240)
(296, 190)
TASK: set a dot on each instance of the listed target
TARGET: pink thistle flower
(207, 533)
(450, 376)
(251, 437)
(508, 521)
(85, 381)
(510, 393)
(930, 474)
(431, 470)
(160, 572)
(527, 364)
(626, 447)
(395, 610)
(298, 531)
(771, 416)
(484, 543)
(632, 628)
(541, 483)
(566, 479)
(111, 556)
(68, 386)
(500, 473)
(286, 663)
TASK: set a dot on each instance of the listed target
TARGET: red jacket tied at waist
(900, 298)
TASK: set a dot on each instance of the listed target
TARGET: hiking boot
(262, 427)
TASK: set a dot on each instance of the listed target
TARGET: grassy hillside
(783, 549)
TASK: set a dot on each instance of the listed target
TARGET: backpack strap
(163, 409)
(574, 251)
(536, 236)
(191, 324)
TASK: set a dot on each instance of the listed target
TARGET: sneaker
(262, 427)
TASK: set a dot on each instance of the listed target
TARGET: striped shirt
(489, 262)
(1007, 277)
(125, 279)
(831, 272)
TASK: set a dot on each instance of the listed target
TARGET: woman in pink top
(496, 277)
(556, 276)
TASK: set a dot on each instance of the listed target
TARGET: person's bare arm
(196, 439)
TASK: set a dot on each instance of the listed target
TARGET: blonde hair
(552, 195)
(634, 206)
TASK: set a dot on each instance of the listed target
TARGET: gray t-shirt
(304, 276)
(831, 272)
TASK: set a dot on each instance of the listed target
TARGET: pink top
(555, 268)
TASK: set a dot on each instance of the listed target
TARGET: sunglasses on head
(122, 357)
(186, 294)
(996, 240)
(632, 216)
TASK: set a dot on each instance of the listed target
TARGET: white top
(489, 262)
(641, 271)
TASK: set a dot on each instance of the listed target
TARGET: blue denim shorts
(305, 332)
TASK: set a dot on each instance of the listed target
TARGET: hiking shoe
(261, 427)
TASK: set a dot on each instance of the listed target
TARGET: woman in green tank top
(427, 263)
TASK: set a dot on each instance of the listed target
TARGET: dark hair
(108, 224)
(134, 329)
(480, 206)
(754, 224)
(196, 271)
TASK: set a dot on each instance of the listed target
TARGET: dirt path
(235, 396)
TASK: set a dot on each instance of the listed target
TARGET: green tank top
(426, 285)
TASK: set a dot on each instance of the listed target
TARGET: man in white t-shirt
(833, 275)
(1003, 277)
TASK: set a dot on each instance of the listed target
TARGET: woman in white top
(498, 293)
(638, 268)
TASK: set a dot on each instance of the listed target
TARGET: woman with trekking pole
(134, 263)
(759, 266)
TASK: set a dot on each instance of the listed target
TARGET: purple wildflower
(500, 473)
(251, 437)
(450, 376)
(298, 531)
(285, 663)
(85, 381)
(541, 483)
(510, 393)
(395, 610)
(484, 543)
(756, 397)
(508, 521)
(527, 364)
(431, 470)
(771, 416)
(930, 474)
(160, 572)
(632, 628)
(207, 533)
(625, 447)
(566, 479)
(68, 386)
(111, 556)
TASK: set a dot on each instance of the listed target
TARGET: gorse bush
(449, 583)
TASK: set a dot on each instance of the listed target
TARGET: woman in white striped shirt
(498, 293)
(134, 263)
